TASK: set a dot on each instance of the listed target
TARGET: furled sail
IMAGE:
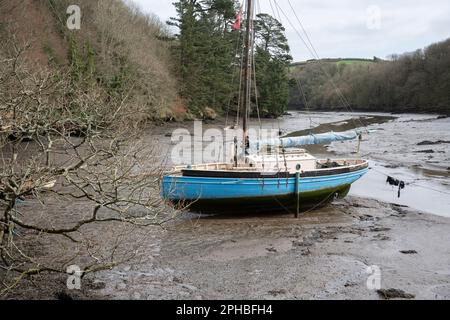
(321, 138)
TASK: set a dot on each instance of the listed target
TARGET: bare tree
(69, 165)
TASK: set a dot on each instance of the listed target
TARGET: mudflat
(322, 255)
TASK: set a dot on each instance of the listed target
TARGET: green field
(354, 61)
(346, 61)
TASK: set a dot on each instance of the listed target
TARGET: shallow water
(422, 191)
(393, 149)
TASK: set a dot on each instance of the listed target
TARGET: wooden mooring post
(297, 190)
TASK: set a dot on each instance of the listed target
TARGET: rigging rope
(273, 11)
(412, 183)
(305, 100)
(315, 55)
(255, 83)
(233, 78)
(256, 95)
(238, 113)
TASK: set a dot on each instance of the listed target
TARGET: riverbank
(425, 111)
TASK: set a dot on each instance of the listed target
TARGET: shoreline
(405, 112)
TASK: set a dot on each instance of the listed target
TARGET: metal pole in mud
(297, 192)
(359, 144)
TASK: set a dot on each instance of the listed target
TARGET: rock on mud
(425, 151)
(395, 294)
(409, 252)
(431, 143)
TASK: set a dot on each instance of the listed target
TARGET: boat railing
(351, 163)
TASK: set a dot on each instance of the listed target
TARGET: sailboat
(289, 180)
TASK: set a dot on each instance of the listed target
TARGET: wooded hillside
(411, 82)
(119, 55)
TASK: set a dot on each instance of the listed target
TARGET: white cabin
(284, 162)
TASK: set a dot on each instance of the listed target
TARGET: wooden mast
(247, 75)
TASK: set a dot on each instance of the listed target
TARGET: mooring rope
(410, 183)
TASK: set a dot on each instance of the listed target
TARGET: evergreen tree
(208, 61)
(205, 50)
(272, 60)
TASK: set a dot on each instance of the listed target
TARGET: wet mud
(324, 254)
(321, 255)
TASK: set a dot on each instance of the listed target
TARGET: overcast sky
(350, 28)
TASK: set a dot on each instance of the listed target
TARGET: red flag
(237, 23)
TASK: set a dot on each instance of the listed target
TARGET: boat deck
(226, 170)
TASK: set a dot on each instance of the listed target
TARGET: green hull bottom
(285, 203)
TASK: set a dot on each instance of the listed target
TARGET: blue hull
(211, 193)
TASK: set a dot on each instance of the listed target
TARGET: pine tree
(205, 50)
(272, 60)
(208, 61)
